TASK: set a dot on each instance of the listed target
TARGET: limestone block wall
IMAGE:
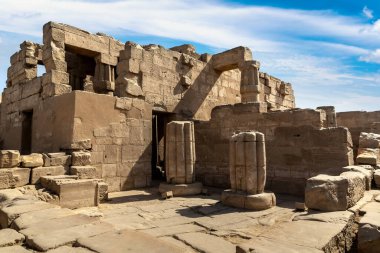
(297, 145)
(278, 94)
(359, 121)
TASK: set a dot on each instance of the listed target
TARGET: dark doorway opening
(80, 65)
(159, 121)
(26, 135)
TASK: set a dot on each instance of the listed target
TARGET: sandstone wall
(359, 121)
(297, 145)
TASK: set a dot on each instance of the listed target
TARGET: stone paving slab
(178, 243)
(128, 241)
(131, 221)
(9, 213)
(266, 245)
(14, 249)
(57, 224)
(36, 217)
(341, 217)
(9, 237)
(206, 243)
(173, 230)
(68, 249)
(67, 236)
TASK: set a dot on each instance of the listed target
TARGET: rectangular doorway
(159, 121)
(26, 135)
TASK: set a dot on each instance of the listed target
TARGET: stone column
(248, 162)
(250, 85)
(248, 173)
(180, 152)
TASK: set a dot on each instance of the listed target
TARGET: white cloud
(373, 56)
(368, 12)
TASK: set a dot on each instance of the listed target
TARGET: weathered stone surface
(64, 160)
(367, 156)
(9, 158)
(81, 158)
(334, 193)
(6, 179)
(248, 162)
(38, 172)
(67, 249)
(34, 218)
(59, 223)
(367, 173)
(21, 176)
(134, 241)
(173, 230)
(181, 189)
(84, 172)
(50, 240)
(180, 152)
(369, 140)
(14, 249)
(32, 160)
(257, 202)
(369, 229)
(9, 237)
(206, 243)
(13, 210)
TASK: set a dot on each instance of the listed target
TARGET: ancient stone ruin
(87, 146)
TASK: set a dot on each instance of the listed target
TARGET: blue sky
(328, 49)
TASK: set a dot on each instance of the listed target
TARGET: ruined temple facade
(114, 100)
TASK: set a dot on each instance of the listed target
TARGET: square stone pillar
(250, 85)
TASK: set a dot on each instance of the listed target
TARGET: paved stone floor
(139, 221)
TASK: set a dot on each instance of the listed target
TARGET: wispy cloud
(368, 12)
(373, 56)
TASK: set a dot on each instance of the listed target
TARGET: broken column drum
(180, 159)
(248, 162)
(248, 172)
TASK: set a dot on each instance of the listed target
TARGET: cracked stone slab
(10, 237)
(207, 243)
(128, 241)
(57, 224)
(266, 245)
(68, 249)
(36, 217)
(173, 230)
(341, 217)
(9, 213)
(51, 240)
(131, 221)
(186, 248)
(14, 249)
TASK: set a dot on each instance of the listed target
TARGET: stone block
(367, 173)
(81, 144)
(64, 160)
(6, 179)
(81, 158)
(38, 172)
(52, 89)
(369, 233)
(14, 249)
(181, 189)
(256, 202)
(334, 193)
(32, 160)
(102, 191)
(84, 172)
(21, 176)
(9, 158)
(369, 140)
(367, 156)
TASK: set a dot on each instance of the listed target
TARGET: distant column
(250, 84)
